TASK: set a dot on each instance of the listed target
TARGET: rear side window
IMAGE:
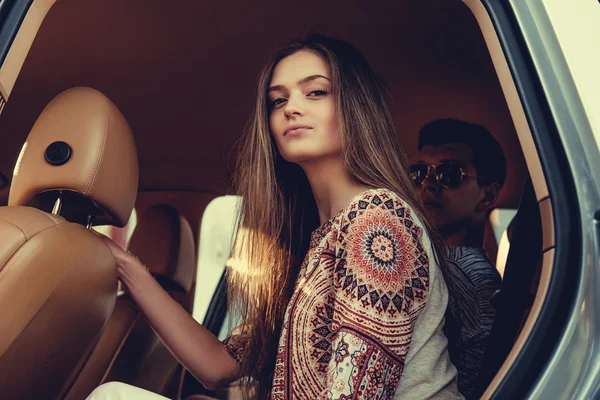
(121, 236)
(216, 236)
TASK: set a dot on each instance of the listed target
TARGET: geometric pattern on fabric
(361, 288)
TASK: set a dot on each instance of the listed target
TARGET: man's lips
(432, 204)
(294, 130)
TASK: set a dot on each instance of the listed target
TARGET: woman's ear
(490, 198)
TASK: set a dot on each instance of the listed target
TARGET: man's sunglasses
(448, 175)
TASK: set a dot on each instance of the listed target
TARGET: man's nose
(430, 185)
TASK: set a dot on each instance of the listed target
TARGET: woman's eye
(277, 102)
(317, 93)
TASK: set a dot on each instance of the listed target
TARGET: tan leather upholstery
(57, 288)
(129, 350)
(144, 361)
(103, 165)
(95, 370)
(164, 241)
(58, 280)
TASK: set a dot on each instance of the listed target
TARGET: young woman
(336, 274)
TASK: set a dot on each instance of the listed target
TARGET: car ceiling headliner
(184, 74)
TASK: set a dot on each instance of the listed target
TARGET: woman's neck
(331, 185)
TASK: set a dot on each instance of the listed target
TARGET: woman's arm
(382, 285)
(197, 349)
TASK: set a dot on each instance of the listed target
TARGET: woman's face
(301, 109)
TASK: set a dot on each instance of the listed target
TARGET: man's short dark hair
(487, 155)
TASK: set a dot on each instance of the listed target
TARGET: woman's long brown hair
(278, 211)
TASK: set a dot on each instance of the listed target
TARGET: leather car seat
(129, 350)
(58, 280)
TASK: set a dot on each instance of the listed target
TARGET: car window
(121, 236)
(576, 24)
(500, 218)
(216, 235)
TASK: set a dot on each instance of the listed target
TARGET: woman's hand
(129, 268)
(198, 350)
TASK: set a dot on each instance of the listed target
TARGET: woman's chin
(299, 157)
(306, 156)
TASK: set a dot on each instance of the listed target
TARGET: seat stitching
(38, 232)
(36, 313)
(99, 159)
(16, 226)
(46, 300)
(47, 216)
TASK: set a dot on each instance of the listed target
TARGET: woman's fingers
(110, 243)
(95, 232)
(123, 257)
(118, 252)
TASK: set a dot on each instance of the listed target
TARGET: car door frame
(575, 216)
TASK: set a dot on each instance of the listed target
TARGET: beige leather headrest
(163, 240)
(102, 165)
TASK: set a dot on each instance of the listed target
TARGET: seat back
(57, 289)
(58, 280)
(129, 350)
(514, 298)
(164, 242)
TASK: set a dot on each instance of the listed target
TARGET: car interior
(168, 88)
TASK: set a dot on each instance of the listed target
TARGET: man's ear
(490, 198)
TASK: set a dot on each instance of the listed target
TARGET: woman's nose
(292, 108)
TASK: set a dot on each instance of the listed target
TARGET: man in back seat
(460, 172)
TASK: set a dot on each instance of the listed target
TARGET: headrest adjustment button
(58, 153)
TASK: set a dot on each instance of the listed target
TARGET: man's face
(452, 207)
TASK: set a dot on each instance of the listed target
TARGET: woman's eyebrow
(311, 78)
(300, 82)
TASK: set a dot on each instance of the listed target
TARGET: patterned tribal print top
(360, 324)
(472, 280)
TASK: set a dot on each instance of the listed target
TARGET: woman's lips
(296, 130)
